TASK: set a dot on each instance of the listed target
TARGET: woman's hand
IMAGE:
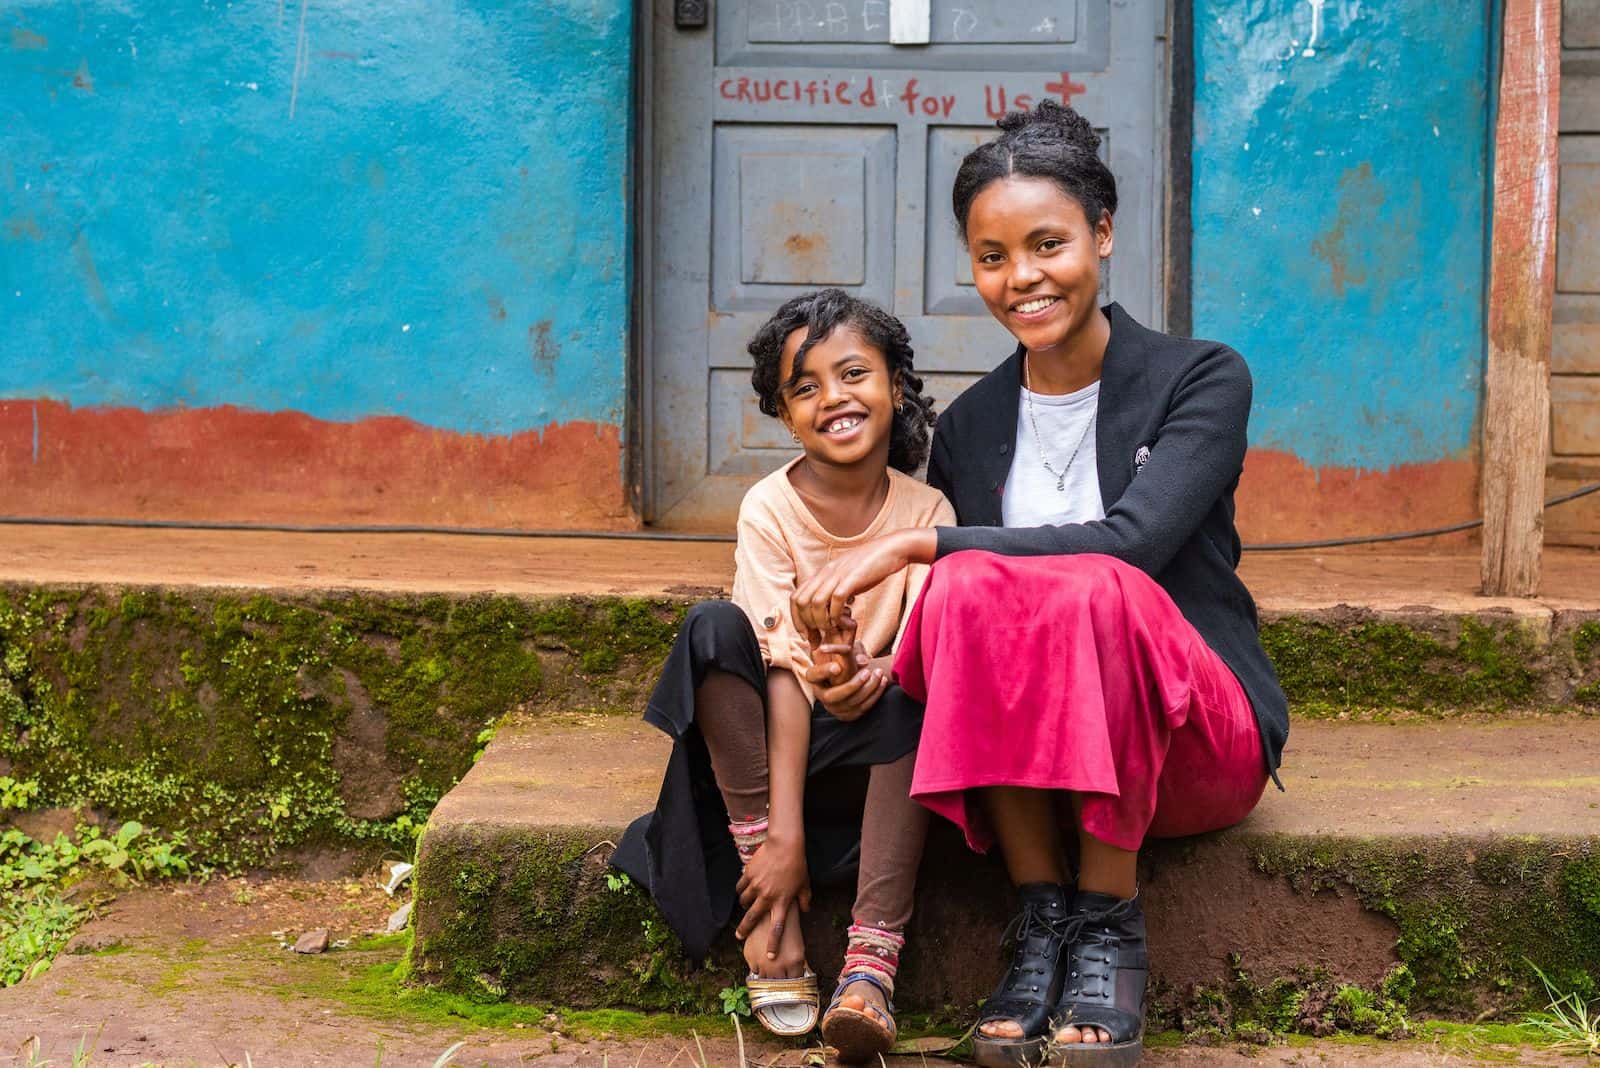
(850, 699)
(822, 602)
(773, 882)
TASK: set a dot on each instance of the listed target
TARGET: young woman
(1088, 656)
(758, 706)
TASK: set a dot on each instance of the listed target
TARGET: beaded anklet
(875, 950)
(748, 836)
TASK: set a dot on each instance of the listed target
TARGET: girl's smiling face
(841, 405)
(1036, 259)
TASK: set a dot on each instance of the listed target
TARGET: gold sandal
(786, 1007)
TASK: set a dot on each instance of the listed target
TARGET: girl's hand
(854, 697)
(832, 655)
(822, 602)
(773, 882)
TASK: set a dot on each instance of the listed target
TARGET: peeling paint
(186, 231)
(1338, 203)
(265, 467)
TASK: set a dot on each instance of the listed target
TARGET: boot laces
(1029, 923)
(1072, 930)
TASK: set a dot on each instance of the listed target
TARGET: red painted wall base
(1281, 498)
(229, 464)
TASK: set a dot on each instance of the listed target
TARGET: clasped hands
(848, 682)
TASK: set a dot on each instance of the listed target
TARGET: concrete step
(208, 682)
(1461, 849)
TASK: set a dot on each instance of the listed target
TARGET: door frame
(639, 457)
(1176, 225)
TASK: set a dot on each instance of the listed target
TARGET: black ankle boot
(1030, 988)
(1107, 965)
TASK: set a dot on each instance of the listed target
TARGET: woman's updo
(1051, 142)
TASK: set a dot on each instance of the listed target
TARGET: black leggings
(682, 852)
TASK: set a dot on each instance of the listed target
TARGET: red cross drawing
(1066, 87)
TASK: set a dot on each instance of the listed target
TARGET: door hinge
(691, 14)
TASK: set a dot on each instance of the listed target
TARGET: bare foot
(1066, 1036)
(860, 994)
(1000, 1029)
(1070, 1035)
(791, 959)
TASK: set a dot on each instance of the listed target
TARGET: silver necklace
(1038, 440)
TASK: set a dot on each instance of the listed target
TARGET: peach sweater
(781, 544)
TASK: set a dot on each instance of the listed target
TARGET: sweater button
(994, 486)
(1004, 449)
(769, 622)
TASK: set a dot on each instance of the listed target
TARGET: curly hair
(821, 313)
(1051, 142)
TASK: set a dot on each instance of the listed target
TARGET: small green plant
(16, 796)
(36, 920)
(735, 1000)
(617, 882)
(33, 929)
(1567, 1024)
(1361, 1012)
(485, 736)
(138, 854)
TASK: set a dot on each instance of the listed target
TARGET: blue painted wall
(1339, 205)
(346, 209)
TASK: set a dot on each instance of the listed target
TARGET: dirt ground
(1444, 576)
(199, 975)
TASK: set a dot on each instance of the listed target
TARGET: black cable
(291, 528)
(1409, 535)
(659, 535)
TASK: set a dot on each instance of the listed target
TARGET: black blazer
(1170, 444)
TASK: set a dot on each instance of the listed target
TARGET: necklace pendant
(1061, 482)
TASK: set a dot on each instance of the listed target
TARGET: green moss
(1465, 931)
(377, 987)
(1308, 1003)
(1586, 642)
(172, 977)
(113, 950)
(539, 920)
(229, 716)
(1332, 669)
(1482, 1043)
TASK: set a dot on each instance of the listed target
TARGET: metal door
(793, 144)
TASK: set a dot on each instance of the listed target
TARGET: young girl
(760, 707)
(1088, 655)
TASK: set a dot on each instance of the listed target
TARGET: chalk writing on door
(914, 98)
(839, 20)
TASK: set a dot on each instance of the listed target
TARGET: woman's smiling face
(1036, 259)
(841, 405)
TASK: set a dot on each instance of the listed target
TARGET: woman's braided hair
(821, 313)
(1051, 142)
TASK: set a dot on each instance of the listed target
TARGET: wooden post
(1516, 415)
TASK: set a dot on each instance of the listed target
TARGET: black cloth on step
(682, 852)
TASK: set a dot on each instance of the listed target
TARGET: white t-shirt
(1031, 498)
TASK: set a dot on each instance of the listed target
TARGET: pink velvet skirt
(1075, 673)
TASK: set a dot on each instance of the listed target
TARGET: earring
(796, 437)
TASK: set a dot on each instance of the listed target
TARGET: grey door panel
(795, 148)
